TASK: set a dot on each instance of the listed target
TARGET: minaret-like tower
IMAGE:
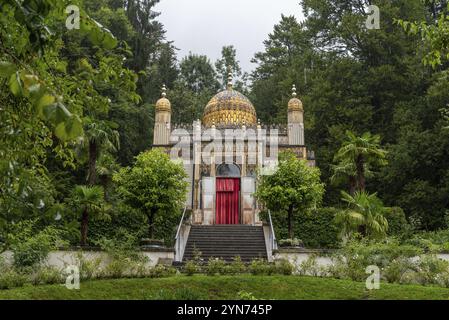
(295, 120)
(162, 121)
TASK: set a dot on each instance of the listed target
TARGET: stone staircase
(226, 242)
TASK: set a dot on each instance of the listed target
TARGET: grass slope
(203, 287)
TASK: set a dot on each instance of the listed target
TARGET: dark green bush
(397, 222)
(316, 229)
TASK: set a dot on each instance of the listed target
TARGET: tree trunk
(84, 225)
(150, 225)
(93, 153)
(290, 222)
(360, 167)
(352, 185)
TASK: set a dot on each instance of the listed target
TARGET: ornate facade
(223, 152)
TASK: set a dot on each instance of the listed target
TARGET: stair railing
(178, 241)
(274, 245)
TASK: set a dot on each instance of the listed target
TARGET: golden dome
(229, 108)
(163, 104)
(295, 104)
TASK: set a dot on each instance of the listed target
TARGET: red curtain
(227, 201)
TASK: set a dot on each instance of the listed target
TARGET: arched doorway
(227, 194)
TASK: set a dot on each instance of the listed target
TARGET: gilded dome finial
(294, 91)
(229, 85)
(164, 91)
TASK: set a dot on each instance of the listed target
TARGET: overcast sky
(205, 26)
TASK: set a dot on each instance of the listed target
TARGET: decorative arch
(228, 170)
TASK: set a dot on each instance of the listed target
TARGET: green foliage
(190, 268)
(283, 267)
(47, 275)
(351, 261)
(12, 279)
(245, 295)
(290, 243)
(124, 255)
(317, 229)
(30, 247)
(294, 188)
(259, 267)
(236, 266)
(397, 222)
(355, 158)
(89, 268)
(215, 267)
(156, 186)
(365, 214)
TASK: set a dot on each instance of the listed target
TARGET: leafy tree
(157, 187)
(365, 214)
(89, 200)
(198, 74)
(355, 156)
(293, 189)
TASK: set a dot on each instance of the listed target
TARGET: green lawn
(204, 287)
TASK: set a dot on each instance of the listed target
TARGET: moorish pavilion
(224, 150)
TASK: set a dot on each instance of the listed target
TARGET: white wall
(61, 259)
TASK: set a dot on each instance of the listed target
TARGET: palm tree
(356, 156)
(89, 199)
(365, 214)
(99, 136)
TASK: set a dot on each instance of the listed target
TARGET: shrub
(352, 260)
(89, 268)
(284, 267)
(12, 279)
(290, 243)
(29, 249)
(309, 266)
(430, 267)
(47, 275)
(316, 229)
(260, 267)
(161, 271)
(236, 267)
(215, 266)
(124, 255)
(397, 222)
(398, 268)
(190, 268)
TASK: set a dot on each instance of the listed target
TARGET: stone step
(226, 242)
